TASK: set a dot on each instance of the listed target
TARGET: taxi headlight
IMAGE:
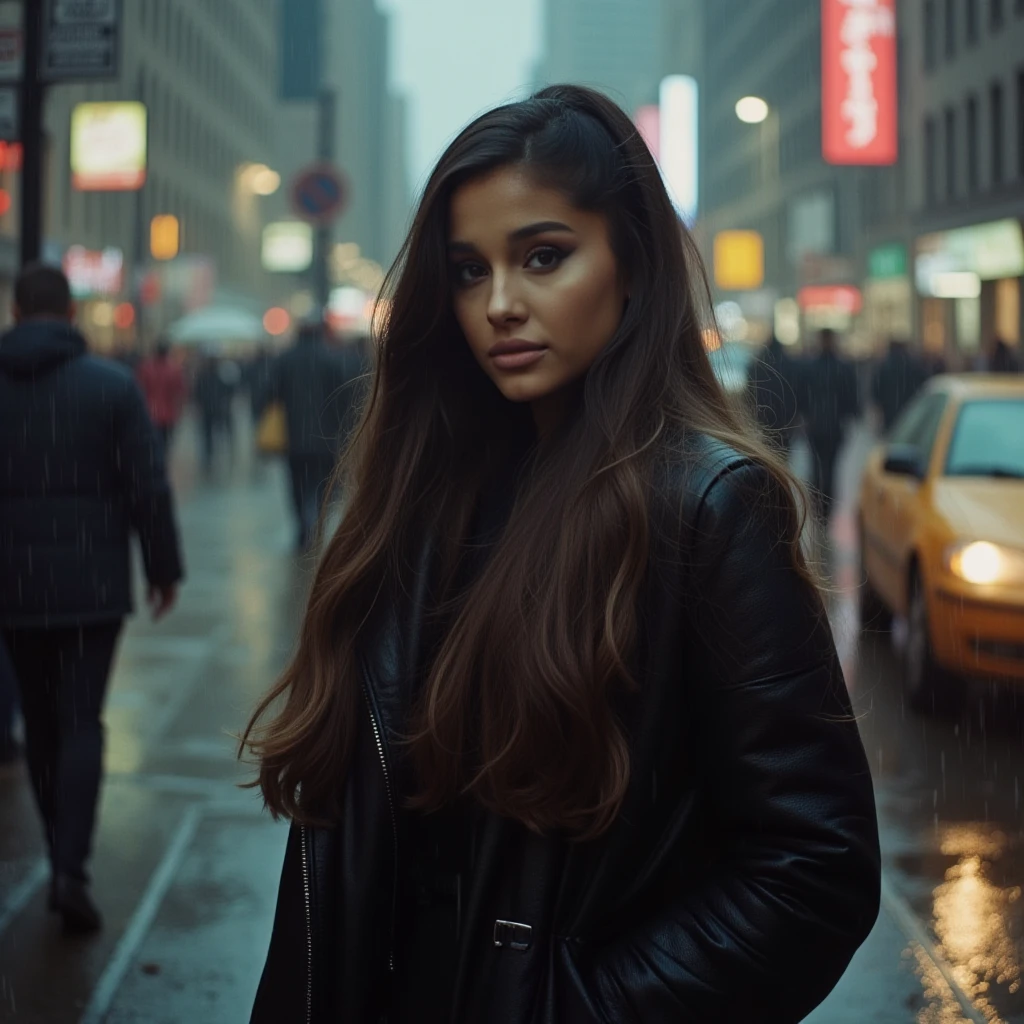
(986, 564)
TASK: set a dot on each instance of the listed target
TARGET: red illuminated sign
(842, 297)
(858, 61)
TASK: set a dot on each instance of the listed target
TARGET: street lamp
(258, 179)
(752, 110)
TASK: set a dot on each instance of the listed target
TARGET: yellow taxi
(941, 524)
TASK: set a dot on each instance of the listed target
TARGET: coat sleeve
(765, 934)
(140, 461)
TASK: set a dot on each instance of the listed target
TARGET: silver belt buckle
(513, 934)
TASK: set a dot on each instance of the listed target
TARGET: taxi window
(919, 425)
(987, 440)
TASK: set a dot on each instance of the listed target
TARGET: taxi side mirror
(904, 460)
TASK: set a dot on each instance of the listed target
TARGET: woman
(565, 738)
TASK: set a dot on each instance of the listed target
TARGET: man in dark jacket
(895, 380)
(318, 387)
(82, 469)
(771, 382)
(828, 402)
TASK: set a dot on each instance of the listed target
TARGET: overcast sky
(455, 58)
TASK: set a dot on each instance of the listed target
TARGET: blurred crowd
(820, 394)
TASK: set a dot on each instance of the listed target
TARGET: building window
(995, 15)
(950, 28)
(930, 192)
(996, 108)
(929, 35)
(972, 144)
(971, 20)
(950, 127)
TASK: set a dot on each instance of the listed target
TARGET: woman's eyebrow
(537, 229)
(527, 231)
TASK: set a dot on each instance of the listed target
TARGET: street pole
(326, 106)
(32, 93)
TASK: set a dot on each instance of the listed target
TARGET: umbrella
(216, 325)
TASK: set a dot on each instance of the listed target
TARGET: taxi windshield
(988, 440)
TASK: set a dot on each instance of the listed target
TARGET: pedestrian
(828, 403)
(771, 382)
(82, 470)
(163, 384)
(214, 392)
(895, 380)
(566, 737)
(318, 387)
(1002, 358)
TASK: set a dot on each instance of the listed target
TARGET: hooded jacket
(80, 469)
(742, 871)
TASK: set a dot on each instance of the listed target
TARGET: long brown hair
(516, 709)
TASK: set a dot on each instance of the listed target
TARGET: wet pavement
(186, 864)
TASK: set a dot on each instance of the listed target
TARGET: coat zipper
(379, 740)
(309, 926)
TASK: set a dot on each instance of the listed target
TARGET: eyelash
(560, 256)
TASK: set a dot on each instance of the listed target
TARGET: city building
(964, 109)
(205, 71)
(342, 47)
(766, 173)
(928, 247)
(614, 46)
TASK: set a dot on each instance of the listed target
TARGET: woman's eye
(545, 257)
(468, 273)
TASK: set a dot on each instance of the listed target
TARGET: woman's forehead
(506, 200)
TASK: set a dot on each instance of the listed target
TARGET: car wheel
(874, 615)
(929, 687)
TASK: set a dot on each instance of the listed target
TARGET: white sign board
(81, 39)
(8, 114)
(12, 41)
(287, 247)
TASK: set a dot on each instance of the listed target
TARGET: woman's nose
(505, 304)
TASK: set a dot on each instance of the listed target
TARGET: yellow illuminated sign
(108, 147)
(739, 260)
(164, 236)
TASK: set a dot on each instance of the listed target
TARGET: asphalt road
(186, 864)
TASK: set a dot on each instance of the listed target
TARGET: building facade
(350, 43)
(951, 205)
(616, 47)
(770, 177)
(205, 70)
(964, 110)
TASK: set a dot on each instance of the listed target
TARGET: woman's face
(537, 289)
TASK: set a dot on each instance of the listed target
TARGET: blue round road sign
(320, 194)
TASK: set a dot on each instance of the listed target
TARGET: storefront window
(1007, 318)
(968, 324)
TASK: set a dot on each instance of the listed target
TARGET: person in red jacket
(163, 383)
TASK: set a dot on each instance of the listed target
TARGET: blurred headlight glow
(984, 564)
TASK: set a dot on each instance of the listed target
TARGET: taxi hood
(982, 508)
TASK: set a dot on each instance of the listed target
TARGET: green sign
(888, 261)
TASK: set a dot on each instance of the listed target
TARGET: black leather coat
(743, 870)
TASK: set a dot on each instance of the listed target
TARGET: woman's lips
(518, 360)
(515, 355)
